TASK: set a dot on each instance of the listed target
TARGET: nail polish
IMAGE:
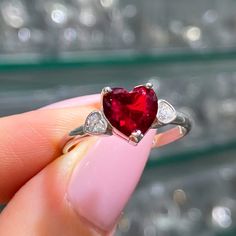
(105, 178)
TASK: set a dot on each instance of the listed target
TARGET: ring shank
(182, 125)
(73, 142)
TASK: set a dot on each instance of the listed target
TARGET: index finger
(29, 141)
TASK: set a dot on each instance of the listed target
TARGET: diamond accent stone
(95, 123)
(166, 112)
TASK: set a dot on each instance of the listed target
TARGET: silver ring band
(166, 116)
(182, 126)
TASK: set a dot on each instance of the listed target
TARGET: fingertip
(104, 180)
(89, 100)
(32, 140)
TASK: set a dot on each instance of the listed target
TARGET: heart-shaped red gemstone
(130, 111)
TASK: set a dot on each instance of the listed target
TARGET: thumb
(81, 193)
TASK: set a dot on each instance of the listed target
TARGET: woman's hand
(80, 193)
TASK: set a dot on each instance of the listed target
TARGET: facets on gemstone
(95, 123)
(130, 111)
(166, 112)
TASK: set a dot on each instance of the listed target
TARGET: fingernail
(105, 178)
(77, 101)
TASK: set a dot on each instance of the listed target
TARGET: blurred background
(53, 49)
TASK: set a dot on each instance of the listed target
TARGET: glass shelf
(114, 58)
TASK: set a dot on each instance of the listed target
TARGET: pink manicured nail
(78, 101)
(104, 180)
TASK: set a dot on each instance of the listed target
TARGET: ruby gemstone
(130, 111)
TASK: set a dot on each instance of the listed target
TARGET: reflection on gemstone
(131, 111)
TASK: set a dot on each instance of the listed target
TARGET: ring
(130, 115)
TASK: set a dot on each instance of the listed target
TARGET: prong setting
(106, 90)
(136, 137)
(105, 123)
(149, 85)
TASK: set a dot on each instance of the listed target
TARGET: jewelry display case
(67, 30)
(53, 50)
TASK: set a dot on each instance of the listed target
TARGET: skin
(34, 175)
(48, 193)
